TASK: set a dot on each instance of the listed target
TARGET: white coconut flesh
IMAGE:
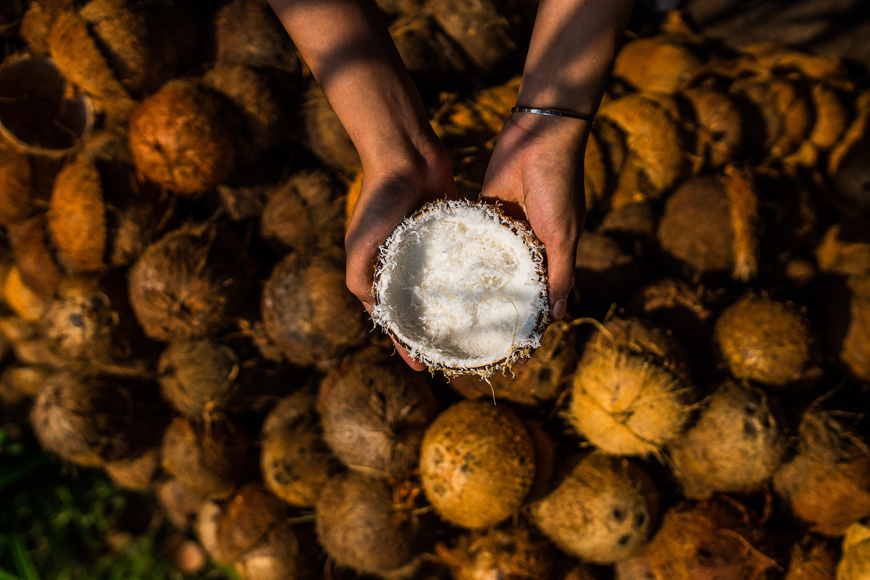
(462, 287)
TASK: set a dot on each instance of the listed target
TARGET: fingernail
(559, 308)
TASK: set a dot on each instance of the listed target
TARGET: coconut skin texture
(359, 526)
(517, 552)
(16, 186)
(374, 410)
(764, 340)
(196, 375)
(477, 463)
(246, 518)
(602, 511)
(443, 288)
(295, 460)
(854, 564)
(275, 557)
(734, 446)
(35, 258)
(812, 559)
(825, 484)
(181, 138)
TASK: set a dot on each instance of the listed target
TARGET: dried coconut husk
(539, 380)
(832, 117)
(35, 257)
(706, 540)
(22, 382)
(295, 460)
(709, 225)
(778, 55)
(844, 250)
(602, 511)
(854, 564)
(812, 559)
(483, 35)
(179, 504)
(477, 463)
(785, 107)
(517, 552)
(850, 337)
(36, 22)
(660, 63)
(305, 212)
(432, 58)
(78, 56)
(275, 557)
(182, 138)
(847, 167)
(260, 100)
(656, 146)
(40, 113)
(248, 32)
(210, 455)
(374, 410)
(90, 419)
(482, 116)
(135, 473)
(308, 313)
(20, 298)
(246, 518)
(734, 446)
(719, 121)
(631, 392)
(17, 195)
(765, 340)
(189, 283)
(596, 174)
(26, 341)
(631, 223)
(826, 483)
(205, 528)
(360, 526)
(196, 375)
(324, 134)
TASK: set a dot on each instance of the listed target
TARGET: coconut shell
(325, 135)
(35, 25)
(21, 299)
(16, 187)
(846, 162)
(19, 383)
(517, 552)
(764, 340)
(188, 283)
(360, 527)
(825, 484)
(605, 272)
(777, 55)
(656, 63)
(720, 124)
(209, 456)
(431, 57)
(179, 504)
(246, 519)
(248, 32)
(307, 311)
(196, 375)
(734, 446)
(596, 174)
(477, 28)
(135, 473)
(854, 349)
(121, 33)
(35, 258)
(181, 138)
(855, 561)
(275, 557)
(602, 511)
(844, 250)
(305, 212)
(812, 559)
(90, 419)
(374, 410)
(295, 460)
(477, 463)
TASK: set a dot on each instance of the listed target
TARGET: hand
(536, 174)
(391, 192)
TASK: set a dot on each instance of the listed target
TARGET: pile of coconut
(174, 192)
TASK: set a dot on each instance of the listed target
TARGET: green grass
(56, 521)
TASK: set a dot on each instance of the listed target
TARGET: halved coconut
(462, 287)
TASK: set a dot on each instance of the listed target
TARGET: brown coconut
(295, 460)
(783, 57)
(605, 270)
(246, 518)
(210, 456)
(248, 32)
(90, 419)
(660, 63)
(205, 528)
(324, 134)
(308, 313)
(596, 174)
(850, 338)
(25, 340)
(360, 526)
(483, 35)
(719, 123)
(844, 250)
(517, 552)
(602, 511)
(734, 446)
(846, 165)
(374, 410)
(189, 283)
(826, 484)
(764, 340)
(17, 196)
(706, 540)
(305, 212)
(20, 298)
(77, 54)
(477, 463)
(196, 375)
(20, 382)
(35, 25)
(854, 564)
(539, 380)
(182, 138)
(275, 557)
(812, 559)
(35, 257)
(631, 392)
(179, 504)
(709, 225)
(135, 473)
(431, 57)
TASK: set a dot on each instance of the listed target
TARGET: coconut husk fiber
(16, 186)
(517, 552)
(35, 257)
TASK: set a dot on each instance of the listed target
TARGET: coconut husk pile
(174, 192)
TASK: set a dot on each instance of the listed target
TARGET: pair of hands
(535, 173)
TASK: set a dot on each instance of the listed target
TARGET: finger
(406, 356)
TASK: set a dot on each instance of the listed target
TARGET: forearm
(571, 53)
(348, 48)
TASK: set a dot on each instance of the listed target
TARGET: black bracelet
(554, 113)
